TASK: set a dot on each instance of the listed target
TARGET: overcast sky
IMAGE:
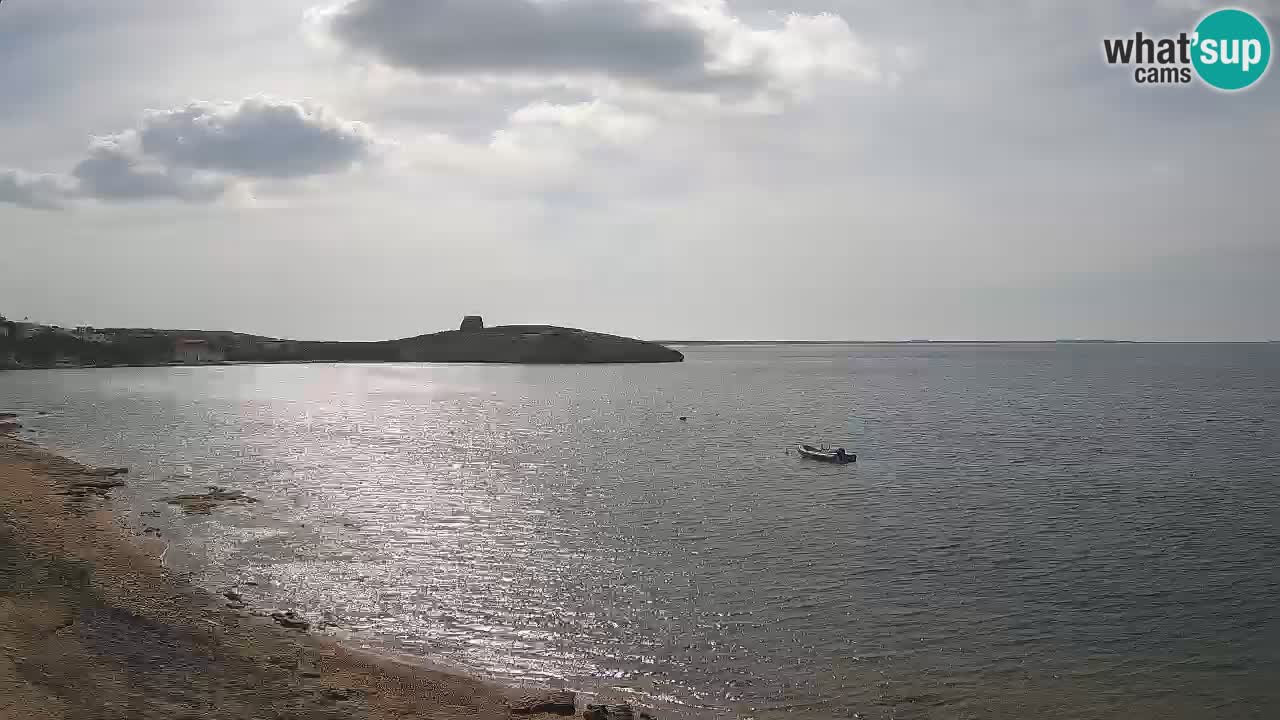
(668, 169)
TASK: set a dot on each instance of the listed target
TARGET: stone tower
(472, 322)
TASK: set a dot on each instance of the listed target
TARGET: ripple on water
(1031, 531)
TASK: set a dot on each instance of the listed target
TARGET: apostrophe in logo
(1229, 49)
(1232, 49)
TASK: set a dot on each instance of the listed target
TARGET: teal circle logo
(1232, 49)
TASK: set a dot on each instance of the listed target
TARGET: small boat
(838, 456)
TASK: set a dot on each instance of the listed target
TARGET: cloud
(539, 144)
(593, 123)
(672, 46)
(117, 170)
(625, 38)
(257, 137)
(42, 192)
(198, 152)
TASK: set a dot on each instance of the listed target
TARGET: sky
(665, 169)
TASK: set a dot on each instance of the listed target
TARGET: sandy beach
(92, 626)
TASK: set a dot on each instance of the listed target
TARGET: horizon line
(1063, 341)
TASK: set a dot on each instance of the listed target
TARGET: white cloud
(787, 60)
(42, 192)
(593, 122)
(541, 143)
(197, 153)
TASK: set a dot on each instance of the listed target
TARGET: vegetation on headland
(26, 345)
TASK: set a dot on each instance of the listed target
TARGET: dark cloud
(627, 37)
(258, 137)
(636, 40)
(112, 173)
(196, 153)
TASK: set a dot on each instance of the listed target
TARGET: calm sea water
(1068, 531)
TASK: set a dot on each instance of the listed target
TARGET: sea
(1056, 530)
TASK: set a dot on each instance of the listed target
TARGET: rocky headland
(530, 344)
(471, 343)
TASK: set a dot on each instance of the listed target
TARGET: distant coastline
(28, 345)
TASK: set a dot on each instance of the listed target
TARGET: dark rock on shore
(108, 472)
(307, 668)
(291, 620)
(529, 702)
(9, 427)
(613, 712)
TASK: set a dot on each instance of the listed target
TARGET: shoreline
(242, 363)
(93, 625)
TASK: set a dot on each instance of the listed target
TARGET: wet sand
(92, 626)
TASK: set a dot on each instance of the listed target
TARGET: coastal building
(193, 352)
(88, 334)
(6, 329)
(472, 322)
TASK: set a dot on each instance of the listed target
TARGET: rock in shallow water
(528, 702)
(205, 503)
(97, 487)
